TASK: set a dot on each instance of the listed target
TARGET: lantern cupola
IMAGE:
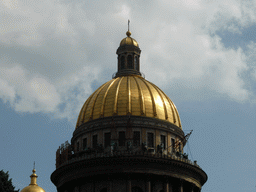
(128, 56)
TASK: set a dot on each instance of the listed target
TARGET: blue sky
(54, 54)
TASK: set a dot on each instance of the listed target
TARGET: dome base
(122, 121)
(138, 167)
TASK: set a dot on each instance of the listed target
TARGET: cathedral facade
(128, 138)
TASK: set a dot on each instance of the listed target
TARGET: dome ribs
(152, 99)
(142, 104)
(129, 110)
(94, 101)
(173, 112)
(81, 115)
(116, 95)
(178, 117)
(104, 98)
(129, 41)
(173, 107)
(122, 97)
(164, 104)
(129, 95)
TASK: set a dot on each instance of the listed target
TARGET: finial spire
(34, 165)
(33, 176)
(128, 33)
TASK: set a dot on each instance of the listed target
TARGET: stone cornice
(121, 122)
(154, 164)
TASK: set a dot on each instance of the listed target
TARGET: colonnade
(131, 185)
(166, 187)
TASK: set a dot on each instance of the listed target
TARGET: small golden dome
(129, 95)
(33, 187)
(128, 40)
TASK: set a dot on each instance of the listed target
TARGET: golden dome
(128, 40)
(33, 187)
(129, 95)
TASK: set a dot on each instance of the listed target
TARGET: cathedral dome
(33, 187)
(129, 40)
(129, 95)
(128, 136)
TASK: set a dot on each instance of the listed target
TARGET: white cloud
(43, 91)
(28, 93)
(10, 4)
(7, 93)
(55, 50)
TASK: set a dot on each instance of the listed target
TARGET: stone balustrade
(83, 156)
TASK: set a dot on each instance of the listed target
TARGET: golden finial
(128, 33)
(33, 187)
(33, 176)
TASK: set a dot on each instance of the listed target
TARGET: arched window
(122, 63)
(94, 141)
(121, 139)
(129, 62)
(180, 150)
(107, 141)
(104, 190)
(136, 63)
(84, 143)
(150, 140)
(77, 146)
(136, 138)
(137, 189)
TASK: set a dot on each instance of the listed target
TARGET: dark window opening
(84, 143)
(137, 189)
(121, 139)
(173, 144)
(136, 138)
(77, 146)
(136, 61)
(104, 190)
(180, 147)
(129, 62)
(163, 141)
(122, 63)
(150, 140)
(94, 141)
(107, 139)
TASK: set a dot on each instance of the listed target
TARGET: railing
(114, 75)
(172, 156)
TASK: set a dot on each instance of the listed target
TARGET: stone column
(170, 187)
(192, 186)
(166, 187)
(129, 186)
(148, 186)
(181, 186)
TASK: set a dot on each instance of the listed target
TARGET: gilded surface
(33, 187)
(129, 41)
(129, 95)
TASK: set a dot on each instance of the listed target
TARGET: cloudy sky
(201, 53)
